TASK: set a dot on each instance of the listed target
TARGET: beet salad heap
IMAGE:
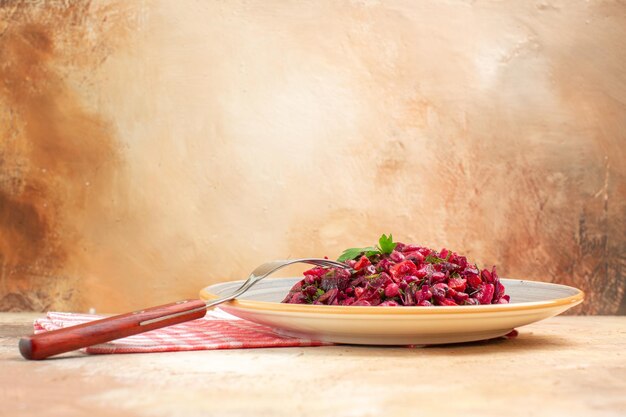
(395, 274)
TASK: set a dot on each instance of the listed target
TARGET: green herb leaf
(432, 259)
(354, 253)
(386, 243)
(319, 292)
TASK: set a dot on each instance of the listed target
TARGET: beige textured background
(150, 148)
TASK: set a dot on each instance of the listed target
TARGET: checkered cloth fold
(217, 330)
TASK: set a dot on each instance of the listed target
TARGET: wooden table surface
(573, 366)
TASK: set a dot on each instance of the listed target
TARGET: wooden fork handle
(46, 344)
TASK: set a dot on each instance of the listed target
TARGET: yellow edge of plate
(570, 301)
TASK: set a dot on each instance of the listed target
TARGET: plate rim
(569, 301)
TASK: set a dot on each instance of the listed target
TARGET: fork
(43, 345)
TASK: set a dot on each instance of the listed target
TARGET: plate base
(399, 340)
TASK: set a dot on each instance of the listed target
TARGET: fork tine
(269, 268)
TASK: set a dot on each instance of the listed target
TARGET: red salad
(395, 274)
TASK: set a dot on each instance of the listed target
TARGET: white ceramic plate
(531, 301)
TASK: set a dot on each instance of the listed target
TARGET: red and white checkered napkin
(217, 330)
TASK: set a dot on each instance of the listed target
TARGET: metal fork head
(268, 268)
